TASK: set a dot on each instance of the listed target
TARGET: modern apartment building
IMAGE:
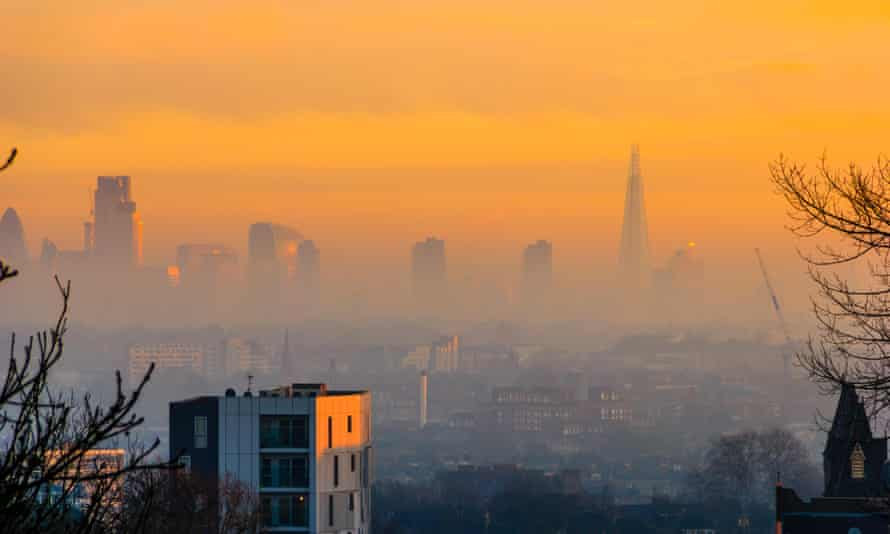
(304, 449)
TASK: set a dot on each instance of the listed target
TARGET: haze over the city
(372, 125)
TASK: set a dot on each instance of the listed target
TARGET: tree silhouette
(846, 213)
(51, 480)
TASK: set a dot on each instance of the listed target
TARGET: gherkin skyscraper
(633, 258)
(12, 238)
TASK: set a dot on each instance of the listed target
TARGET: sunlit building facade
(304, 449)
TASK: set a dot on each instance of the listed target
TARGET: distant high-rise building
(48, 253)
(288, 369)
(271, 261)
(201, 264)
(308, 269)
(537, 268)
(424, 398)
(445, 354)
(305, 449)
(167, 356)
(249, 356)
(12, 238)
(204, 258)
(428, 269)
(116, 232)
(633, 257)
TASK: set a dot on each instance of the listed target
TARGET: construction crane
(786, 357)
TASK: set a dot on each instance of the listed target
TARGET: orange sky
(372, 124)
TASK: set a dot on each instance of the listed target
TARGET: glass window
(857, 463)
(330, 510)
(349, 423)
(284, 471)
(336, 470)
(330, 432)
(352, 463)
(200, 432)
(285, 510)
(284, 432)
(186, 463)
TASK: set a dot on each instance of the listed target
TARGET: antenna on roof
(249, 383)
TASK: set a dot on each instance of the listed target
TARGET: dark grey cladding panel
(204, 461)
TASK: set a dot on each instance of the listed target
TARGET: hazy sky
(370, 124)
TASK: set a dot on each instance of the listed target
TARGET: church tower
(853, 458)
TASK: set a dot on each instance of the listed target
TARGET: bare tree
(744, 467)
(158, 502)
(50, 478)
(846, 214)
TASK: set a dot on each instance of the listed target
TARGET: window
(349, 423)
(330, 510)
(285, 510)
(351, 502)
(284, 432)
(857, 463)
(330, 432)
(352, 463)
(186, 463)
(284, 471)
(200, 432)
(336, 470)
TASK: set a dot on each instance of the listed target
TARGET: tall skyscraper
(271, 261)
(428, 269)
(537, 269)
(12, 239)
(308, 270)
(633, 257)
(305, 449)
(116, 228)
(288, 369)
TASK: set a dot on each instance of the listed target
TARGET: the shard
(633, 258)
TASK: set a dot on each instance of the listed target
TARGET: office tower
(537, 269)
(305, 449)
(204, 267)
(177, 356)
(445, 354)
(633, 258)
(12, 239)
(271, 261)
(48, 253)
(116, 232)
(424, 397)
(428, 269)
(288, 369)
(308, 269)
(87, 237)
(249, 356)
(204, 260)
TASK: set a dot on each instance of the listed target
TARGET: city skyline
(363, 130)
